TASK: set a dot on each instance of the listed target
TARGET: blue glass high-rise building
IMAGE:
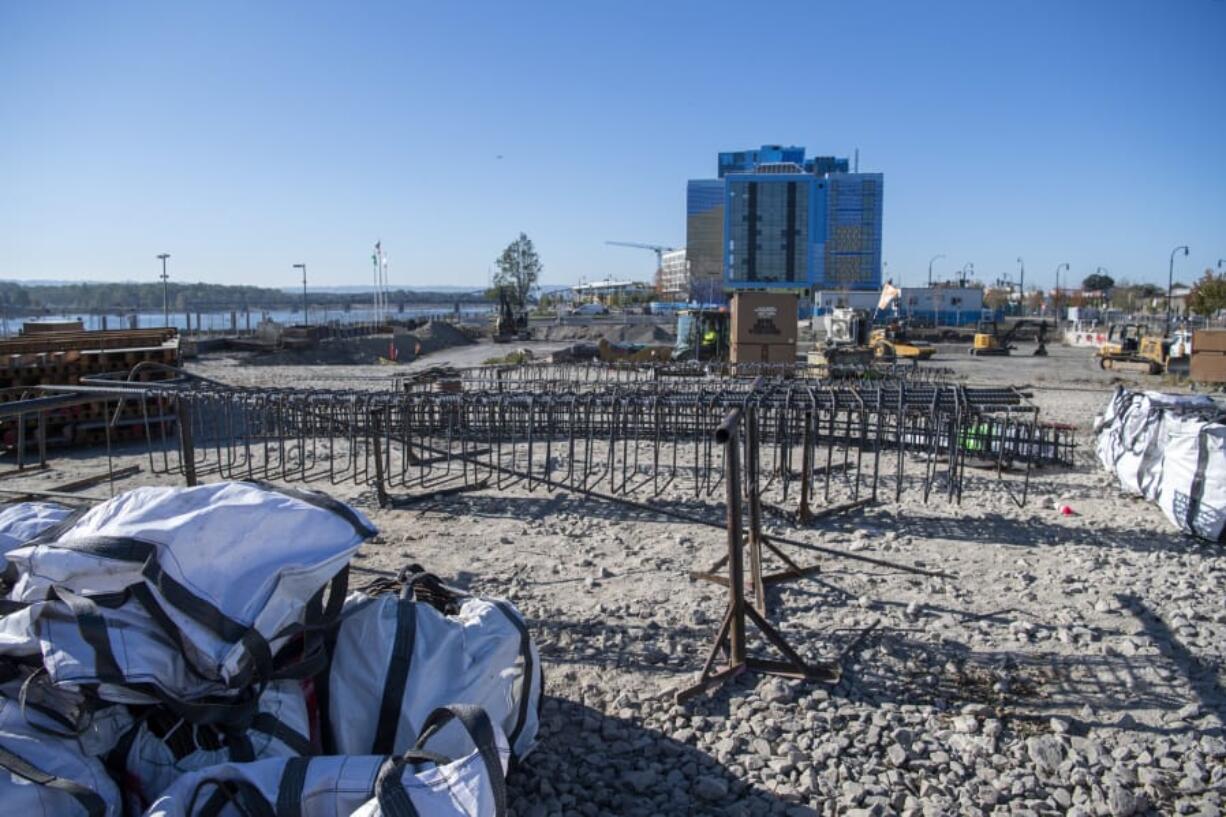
(787, 222)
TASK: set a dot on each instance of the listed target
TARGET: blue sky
(243, 137)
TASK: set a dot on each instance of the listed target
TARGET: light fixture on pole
(968, 265)
(1170, 281)
(306, 321)
(165, 290)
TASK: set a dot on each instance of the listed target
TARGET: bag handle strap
(90, 800)
(242, 794)
(481, 730)
(393, 797)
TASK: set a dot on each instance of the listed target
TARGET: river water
(220, 321)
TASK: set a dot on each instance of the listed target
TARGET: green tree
(996, 298)
(1208, 295)
(519, 267)
(1098, 283)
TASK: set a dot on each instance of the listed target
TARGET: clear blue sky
(242, 137)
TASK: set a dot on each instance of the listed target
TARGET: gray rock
(1121, 802)
(966, 724)
(1046, 752)
(642, 780)
(710, 788)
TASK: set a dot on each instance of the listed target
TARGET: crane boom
(658, 249)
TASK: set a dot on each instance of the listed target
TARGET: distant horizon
(242, 138)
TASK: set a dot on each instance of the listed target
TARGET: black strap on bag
(397, 677)
(390, 791)
(242, 794)
(290, 789)
(89, 800)
(270, 725)
(236, 713)
(1197, 492)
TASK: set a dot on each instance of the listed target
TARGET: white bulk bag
(118, 650)
(163, 746)
(471, 785)
(22, 521)
(63, 712)
(396, 660)
(44, 775)
(1193, 490)
(1142, 436)
(233, 565)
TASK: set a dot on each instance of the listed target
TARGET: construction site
(841, 583)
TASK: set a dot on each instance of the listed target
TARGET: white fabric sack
(119, 652)
(232, 564)
(163, 747)
(22, 522)
(1193, 490)
(1138, 466)
(396, 660)
(44, 775)
(471, 785)
(63, 712)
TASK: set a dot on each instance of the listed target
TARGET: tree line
(122, 297)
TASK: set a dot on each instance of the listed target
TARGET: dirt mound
(437, 335)
(433, 337)
(650, 333)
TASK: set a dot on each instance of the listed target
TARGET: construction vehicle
(847, 341)
(892, 342)
(703, 334)
(1129, 348)
(989, 340)
(510, 322)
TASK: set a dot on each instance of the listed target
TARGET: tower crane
(658, 249)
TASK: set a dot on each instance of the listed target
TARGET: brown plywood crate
(1209, 340)
(764, 317)
(763, 353)
(1208, 367)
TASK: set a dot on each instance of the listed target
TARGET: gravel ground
(1068, 664)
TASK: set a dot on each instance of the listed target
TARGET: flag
(888, 293)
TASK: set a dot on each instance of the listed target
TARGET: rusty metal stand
(756, 540)
(731, 636)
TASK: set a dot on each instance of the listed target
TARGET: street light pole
(306, 321)
(1022, 285)
(1056, 300)
(971, 265)
(1170, 282)
(165, 290)
(934, 258)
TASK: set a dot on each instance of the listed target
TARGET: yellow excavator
(891, 342)
(1129, 348)
(989, 340)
